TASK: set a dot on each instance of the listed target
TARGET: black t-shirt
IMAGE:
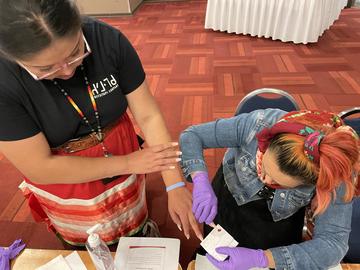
(28, 107)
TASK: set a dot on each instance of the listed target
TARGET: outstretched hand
(156, 158)
(179, 204)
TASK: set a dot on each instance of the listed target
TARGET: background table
(299, 21)
(30, 259)
(191, 266)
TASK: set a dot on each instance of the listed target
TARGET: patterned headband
(311, 143)
(288, 124)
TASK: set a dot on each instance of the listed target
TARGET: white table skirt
(299, 21)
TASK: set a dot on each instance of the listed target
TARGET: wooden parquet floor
(199, 75)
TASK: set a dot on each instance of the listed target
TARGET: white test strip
(218, 237)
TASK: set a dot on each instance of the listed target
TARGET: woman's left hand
(179, 204)
(240, 258)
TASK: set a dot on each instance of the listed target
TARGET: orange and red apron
(70, 209)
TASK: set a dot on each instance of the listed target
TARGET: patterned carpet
(198, 75)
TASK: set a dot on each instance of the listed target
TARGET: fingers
(164, 146)
(163, 164)
(206, 209)
(195, 205)
(186, 226)
(180, 223)
(195, 226)
(176, 220)
(160, 168)
(211, 215)
(167, 157)
(166, 165)
(197, 209)
(204, 212)
(180, 203)
(168, 153)
(223, 250)
(212, 225)
(147, 161)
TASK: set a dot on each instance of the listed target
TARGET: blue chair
(265, 98)
(352, 121)
(353, 255)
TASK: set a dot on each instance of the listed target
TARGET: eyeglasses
(67, 64)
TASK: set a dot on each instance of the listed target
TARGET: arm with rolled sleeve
(329, 244)
(222, 133)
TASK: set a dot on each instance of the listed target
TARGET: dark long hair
(29, 26)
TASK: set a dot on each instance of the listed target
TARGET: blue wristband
(176, 185)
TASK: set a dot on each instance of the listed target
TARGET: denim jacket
(332, 228)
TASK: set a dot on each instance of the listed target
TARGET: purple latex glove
(240, 258)
(10, 253)
(204, 199)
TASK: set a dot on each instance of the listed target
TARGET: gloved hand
(8, 254)
(240, 258)
(204, 199)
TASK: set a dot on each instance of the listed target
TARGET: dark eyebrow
(75, 48)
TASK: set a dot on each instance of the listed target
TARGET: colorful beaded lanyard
(98, 134)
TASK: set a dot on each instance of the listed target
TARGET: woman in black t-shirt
(65, 85)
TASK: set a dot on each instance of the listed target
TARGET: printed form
(140, 253)
(146, 257)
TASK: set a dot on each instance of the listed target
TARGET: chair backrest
(353, 255)
(265, 98)
(354, 122)
(258, 99)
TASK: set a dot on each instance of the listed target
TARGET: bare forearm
(151, 122)
(74, 169)
(154, 128)
(156, 122)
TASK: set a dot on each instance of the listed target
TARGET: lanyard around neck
(98, 133)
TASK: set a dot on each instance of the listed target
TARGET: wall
(108, 7)
(134, 4)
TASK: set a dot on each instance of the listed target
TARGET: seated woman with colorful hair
(276, 165)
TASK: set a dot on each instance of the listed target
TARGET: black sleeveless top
(252, 224)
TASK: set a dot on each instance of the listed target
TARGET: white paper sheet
(218, 237)
(135, 253)
(70, 262)
(202, 263)
(58, 263)
(75, 262)
(146, 257)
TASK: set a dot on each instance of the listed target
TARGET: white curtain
(300, 21)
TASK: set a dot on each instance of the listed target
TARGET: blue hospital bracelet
(176, 185)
